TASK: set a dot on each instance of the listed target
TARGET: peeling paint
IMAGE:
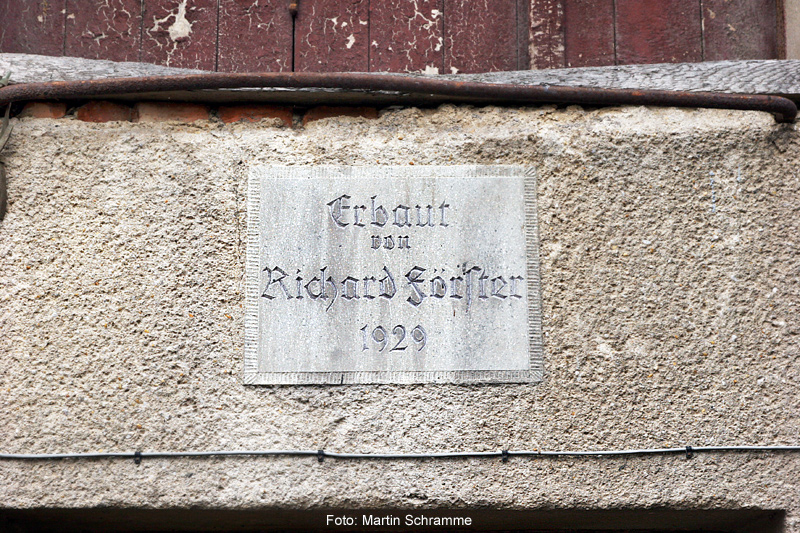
(181, 28)
(253, 35)
(350, 41)
(103, 30)
(546, 47)
(409, 36)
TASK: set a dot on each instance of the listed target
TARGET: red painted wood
(32, 27)
(740, 29)
(103, 29)
(666, 31)
(406, 36)
(332, 36)
(588, 33)
(254, 36)
(523, 35)
(480, 35)
(180, 33)
(547, 34)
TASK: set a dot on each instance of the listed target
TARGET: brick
(169, 111)
(99, 111)
(321, 112)
(44, 110)
(254, 113)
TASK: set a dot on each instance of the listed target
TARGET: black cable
(689, 451)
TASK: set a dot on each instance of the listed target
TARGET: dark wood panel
(180, 33)
(255, 35)
(406, 36)
(547, 34)
(103, 29)
(589, 33)
(480, 35)
(740, 29)
(666, 31)
(523, 35)
(32, 27)
(332, 36)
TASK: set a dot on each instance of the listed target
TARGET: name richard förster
(468, 282)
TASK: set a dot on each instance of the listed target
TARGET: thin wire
(433, 455)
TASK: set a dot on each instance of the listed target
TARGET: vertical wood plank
(406, 36)
(666, 31)
(332, 36)
(104, 29)
(32, 27)
(254, 36)
(547, 34)
(523, 35)
(740, 29)
(588, 33)
(480, 36)
(180, 33)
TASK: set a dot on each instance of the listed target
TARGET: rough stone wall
(669, 245)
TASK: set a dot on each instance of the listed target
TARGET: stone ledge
(739, 77)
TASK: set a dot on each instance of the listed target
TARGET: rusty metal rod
(783, 109)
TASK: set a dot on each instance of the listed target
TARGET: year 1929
(380, 338)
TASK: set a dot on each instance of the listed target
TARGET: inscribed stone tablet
(392, 275)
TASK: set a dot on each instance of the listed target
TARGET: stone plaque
(392, 275)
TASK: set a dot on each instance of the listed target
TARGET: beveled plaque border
(531, 232)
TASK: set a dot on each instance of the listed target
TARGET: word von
(470, 283)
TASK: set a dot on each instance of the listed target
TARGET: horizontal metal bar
(783, 109)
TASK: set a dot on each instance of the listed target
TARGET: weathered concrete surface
(670, 291)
